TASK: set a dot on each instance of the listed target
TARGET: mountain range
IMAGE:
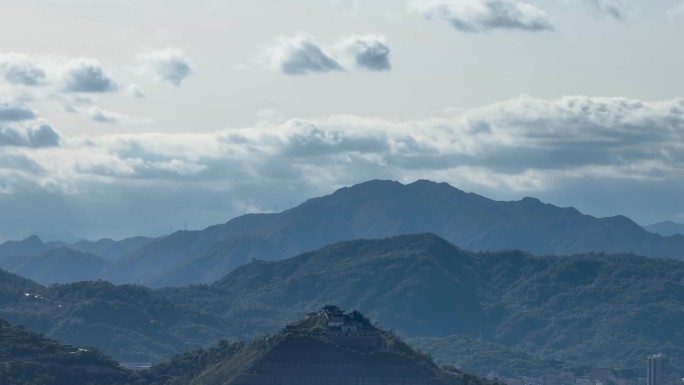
(610, 310)
(373, 209)
(666, 228)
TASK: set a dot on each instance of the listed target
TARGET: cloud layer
(484, 15)
(569, 135)
(527, 145)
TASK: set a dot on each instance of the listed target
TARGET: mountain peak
(29, 246)
(32, 239)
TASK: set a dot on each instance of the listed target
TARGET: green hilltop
(331, 347)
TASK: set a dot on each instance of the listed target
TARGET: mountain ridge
(372, 209)
(377, 209)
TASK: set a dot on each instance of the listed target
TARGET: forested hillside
(613, 309)
(29, 358)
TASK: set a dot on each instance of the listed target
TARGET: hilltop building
(348, 329)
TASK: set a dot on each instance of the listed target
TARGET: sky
(126, 117)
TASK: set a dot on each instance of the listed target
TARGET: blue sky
(120, 118)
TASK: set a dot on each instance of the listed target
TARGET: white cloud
(87, 76)
(14, 112)
(366, 52)
(135, 91)
(102, 116)
(484, 15)
(170, 64)
(28, 135)
(302, 54)
(298, 55)
(21, 70)
(20, 126)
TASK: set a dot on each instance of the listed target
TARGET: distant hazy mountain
(666, 228)
(12, 253)
(379, 209)
(109, 249)
(56, 266)
(608, 309)
(63, 237)
(29, 246)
